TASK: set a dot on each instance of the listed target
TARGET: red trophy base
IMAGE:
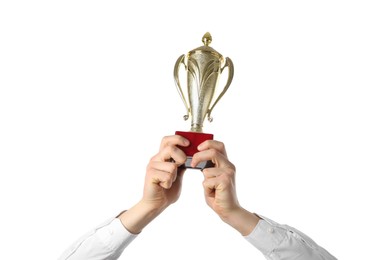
(195, 140)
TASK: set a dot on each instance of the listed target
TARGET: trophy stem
(196, 128)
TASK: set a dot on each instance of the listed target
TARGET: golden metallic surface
(207, 39)
(204, 66)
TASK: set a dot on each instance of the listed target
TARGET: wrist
(139, 216)
(242, 220)
(152, 206)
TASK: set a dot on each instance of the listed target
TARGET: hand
(163, 179)
(162, 185)
(219, 181)
(220, 187)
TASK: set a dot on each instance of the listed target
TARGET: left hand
(220, 187)
(219, 181)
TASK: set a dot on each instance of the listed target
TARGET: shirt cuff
(266, 236)
(115, 236)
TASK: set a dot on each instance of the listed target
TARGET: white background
(87, 92)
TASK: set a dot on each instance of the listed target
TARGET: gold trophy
(204, 66)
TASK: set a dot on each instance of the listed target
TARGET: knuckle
(221, 146)
(233, 167)
(165, 139)
(173, 149)
(171, 167)
(153, 158)
(209, 143)
(230, 171)
(169, 149)
(205, 171)
(213, 153)
(181, 159)
(150, 166)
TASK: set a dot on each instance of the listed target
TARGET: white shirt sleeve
(106, 241)
(277, 242)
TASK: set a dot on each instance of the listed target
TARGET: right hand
(220, 187)
(163, 178)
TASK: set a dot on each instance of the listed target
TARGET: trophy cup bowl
(203, 66)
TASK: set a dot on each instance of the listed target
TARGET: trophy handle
(228, 63)
(180, 61)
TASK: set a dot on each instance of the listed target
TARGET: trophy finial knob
(207, 39)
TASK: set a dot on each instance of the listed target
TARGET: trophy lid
(206, 39)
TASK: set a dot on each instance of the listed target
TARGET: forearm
(242, 220)
(275, 241)
(138, 217)
(106, 241)
(278, 241)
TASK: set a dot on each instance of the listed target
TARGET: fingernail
(192, 164)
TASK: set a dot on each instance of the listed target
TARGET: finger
(173, 140)
(211, 172)
(168, 167)
(220, 183)
(213, 144)
(209, 186)
(215, 172)
(218, 158)
(161, 178)
(170, 152)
